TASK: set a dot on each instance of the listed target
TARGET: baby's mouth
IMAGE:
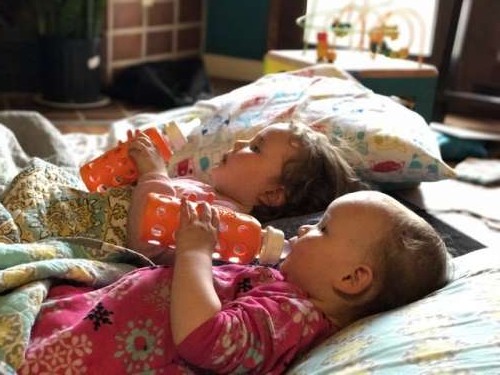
(222, 161)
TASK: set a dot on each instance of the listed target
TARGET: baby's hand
(145, 155)
(197, 232)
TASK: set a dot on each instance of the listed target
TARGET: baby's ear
(354, 281)
(273, 197)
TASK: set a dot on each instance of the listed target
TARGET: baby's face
(344, 238)
(253, 166)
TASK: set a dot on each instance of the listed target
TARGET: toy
(323, 51)
(373, 29)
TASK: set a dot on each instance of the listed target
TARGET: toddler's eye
(254, 148)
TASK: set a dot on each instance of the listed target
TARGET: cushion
(453, 330)
(387, 142)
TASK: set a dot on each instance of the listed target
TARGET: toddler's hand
(145, 155)
(197, 232)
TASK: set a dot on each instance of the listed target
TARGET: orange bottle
(116, 168)
(241, 237)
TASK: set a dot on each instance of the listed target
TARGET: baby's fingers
(131, 134)
(205, 212)
(209, 216)
(186, 213)
(215, 218)
(141, 143)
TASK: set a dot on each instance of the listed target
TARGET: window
(403, 23)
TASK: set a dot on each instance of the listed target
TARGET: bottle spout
(175, 136)
(273, 241)
(286, 249)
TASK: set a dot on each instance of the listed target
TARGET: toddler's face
(253, 166)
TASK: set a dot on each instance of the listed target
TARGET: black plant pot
(70, 70)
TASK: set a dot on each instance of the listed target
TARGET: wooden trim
(283, 32)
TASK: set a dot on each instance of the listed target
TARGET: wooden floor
(92, 120)
(97, 120)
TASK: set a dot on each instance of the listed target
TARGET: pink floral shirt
(265, 323)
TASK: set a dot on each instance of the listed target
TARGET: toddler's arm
(146, 156)
(193, 296)
(153, 177)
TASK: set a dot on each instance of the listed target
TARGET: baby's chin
(212, 175)
(217, 168)
(282, 267)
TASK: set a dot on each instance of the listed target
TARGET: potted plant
(18, 47)
(70, 38)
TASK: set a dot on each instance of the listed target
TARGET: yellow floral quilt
(50, 229)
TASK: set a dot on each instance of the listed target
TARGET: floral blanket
(52, 229)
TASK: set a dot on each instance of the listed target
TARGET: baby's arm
(153, 177)
(260, 331)
(193, 296)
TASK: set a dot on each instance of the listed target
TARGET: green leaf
(69, 18)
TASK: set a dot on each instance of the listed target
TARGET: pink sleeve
(150, 182)
(255, 334)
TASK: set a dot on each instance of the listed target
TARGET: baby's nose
(238, 145)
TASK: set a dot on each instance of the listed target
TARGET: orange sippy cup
(241, 237)
(116, 168)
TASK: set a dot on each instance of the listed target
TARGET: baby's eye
(321, 227)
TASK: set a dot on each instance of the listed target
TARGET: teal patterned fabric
(456, 330)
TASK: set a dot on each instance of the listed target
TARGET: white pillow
(390, 143)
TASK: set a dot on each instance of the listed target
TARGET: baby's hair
(315, 176)
(410, 261)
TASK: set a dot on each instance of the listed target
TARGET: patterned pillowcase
(436, 335)
(388, 143)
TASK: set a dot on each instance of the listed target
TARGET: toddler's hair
(314, 177)
(410, 261)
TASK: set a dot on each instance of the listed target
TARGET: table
(406, 79)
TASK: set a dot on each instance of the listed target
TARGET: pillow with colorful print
(388, 144)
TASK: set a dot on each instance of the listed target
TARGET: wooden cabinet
(467, 53)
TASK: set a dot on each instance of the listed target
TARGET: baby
(368, 254)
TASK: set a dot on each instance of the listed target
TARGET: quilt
(51, 229)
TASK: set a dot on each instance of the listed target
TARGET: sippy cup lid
(272, 244)
(175, 136)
